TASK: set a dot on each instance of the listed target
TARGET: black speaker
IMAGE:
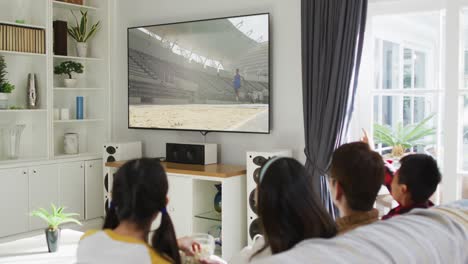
(201, 154)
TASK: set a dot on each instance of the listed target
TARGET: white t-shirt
(245, 256)
(106, 246)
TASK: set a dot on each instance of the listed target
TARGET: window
(404, 95)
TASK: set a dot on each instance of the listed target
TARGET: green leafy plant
(402, 137)
(80, 31)
(5, 86)
(55, 218)
(68, 67)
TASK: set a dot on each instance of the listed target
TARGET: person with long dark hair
(288, 209)
(139, 195)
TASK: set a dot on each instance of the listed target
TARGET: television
(209, 75)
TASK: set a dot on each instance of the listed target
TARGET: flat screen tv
(206, 75)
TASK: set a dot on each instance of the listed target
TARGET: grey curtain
(332, 40)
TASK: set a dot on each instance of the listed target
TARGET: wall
(287, 119)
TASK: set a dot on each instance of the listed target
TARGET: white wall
(287, 119)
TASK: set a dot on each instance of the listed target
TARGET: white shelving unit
(43, 136)
(43, 173)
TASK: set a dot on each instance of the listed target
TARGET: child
(413, 183)
(139, 194)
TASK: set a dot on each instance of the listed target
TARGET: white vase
(70, 83)
(3, 101)
(82, 49)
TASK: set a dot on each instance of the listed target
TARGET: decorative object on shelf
(12, 140)
(22, 39)
(54, 219)
(20, 11)
(56, 114)
(33, 97)
(81, 34)
(60, 37)
(64, 114)
(71, 143)
(69, 67)
(5, 87)
(79, 107)
(217, 199)
(402, 137)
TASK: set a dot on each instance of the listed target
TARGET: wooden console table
(212, 170)
(191, 201)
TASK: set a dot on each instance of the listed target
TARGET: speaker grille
(110, 159)
(111, 150)
(254, 228)
(252, 201)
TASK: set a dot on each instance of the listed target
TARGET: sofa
(436, 235)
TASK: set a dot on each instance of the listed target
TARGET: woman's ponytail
(164, 239)
(111, 221)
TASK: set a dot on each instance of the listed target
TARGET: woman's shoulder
(250, 252)
(89, 233)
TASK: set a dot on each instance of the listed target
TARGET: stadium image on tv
(209, 75)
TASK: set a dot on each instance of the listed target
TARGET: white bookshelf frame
(94, 83)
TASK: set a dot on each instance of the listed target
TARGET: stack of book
(22, 39)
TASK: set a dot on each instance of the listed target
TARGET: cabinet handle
(34, 171)
(24, 172)
(90, 166)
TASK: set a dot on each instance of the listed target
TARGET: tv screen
(208, 75)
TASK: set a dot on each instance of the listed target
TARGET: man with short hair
(356, 176)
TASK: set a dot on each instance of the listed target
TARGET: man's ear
(404, 188)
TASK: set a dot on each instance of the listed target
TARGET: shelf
(76, 58)
(59, 4)
(21, 25)
(6, 162)
(77, 89)
(80, 155)
(22, 53)
(76, 121)
(23, 111)
(213, 215)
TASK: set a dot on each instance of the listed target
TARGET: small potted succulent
(5, 87)
(81, 34)
(54, 219)
(67, 68)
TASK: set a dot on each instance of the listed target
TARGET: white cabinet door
(180, 204)
(94, 189)
(14, 202)
(72, 187)
(43, 190)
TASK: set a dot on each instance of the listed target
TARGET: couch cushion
(438, 235)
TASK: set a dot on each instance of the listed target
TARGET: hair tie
(113, 205)
(266, 166)
(164, 210)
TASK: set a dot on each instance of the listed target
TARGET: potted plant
(5, 87)
(403, 137)
(69, 67)
(54, 220)
(81, 34)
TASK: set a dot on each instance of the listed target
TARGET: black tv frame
(204, 132)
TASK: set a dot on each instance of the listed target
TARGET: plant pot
(3, 101)
(70, 83)
(82, 49)
(53, 239)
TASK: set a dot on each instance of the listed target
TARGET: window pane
(408, 68)
(419, 109)
(407, 110)
(376, 109)
(419, 70)
(387, 110)
(391, 65)
(464, 129)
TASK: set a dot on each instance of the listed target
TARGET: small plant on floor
(54, 219)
